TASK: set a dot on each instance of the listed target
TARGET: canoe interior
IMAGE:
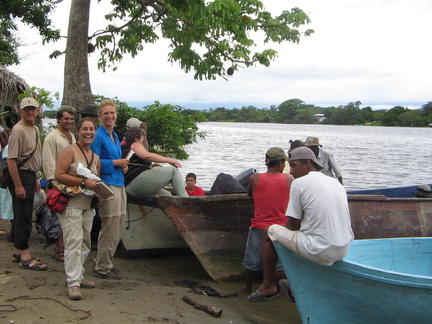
(350, 292)
(411, 256)
(149, 231)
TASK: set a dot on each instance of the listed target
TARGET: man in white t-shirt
(318, 224)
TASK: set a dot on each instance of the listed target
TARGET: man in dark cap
(90, 111)
(318, 226)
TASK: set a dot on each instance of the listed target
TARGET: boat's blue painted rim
(382, 275)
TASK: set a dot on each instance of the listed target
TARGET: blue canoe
(395, 192)
(379, 281)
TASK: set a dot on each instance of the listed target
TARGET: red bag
(56, 201)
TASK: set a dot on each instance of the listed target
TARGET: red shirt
(271, 197)
(198, 191)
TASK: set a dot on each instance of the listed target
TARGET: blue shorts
(253, 254)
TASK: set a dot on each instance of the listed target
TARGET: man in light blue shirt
(112, 210)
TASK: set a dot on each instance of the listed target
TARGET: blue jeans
(253, 254)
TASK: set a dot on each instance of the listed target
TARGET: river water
(370, 156)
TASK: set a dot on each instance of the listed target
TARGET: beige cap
(29, 102)
(133, 122)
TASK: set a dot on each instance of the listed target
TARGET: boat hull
(216, 227)
(149, 231)
(379, 281)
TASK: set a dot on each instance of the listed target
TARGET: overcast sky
(374, 51)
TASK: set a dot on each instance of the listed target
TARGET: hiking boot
(87, 284)
(110, 275)
(74, 293)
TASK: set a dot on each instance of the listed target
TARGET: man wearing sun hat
(318, 224)
(326, 159)
(24, 161)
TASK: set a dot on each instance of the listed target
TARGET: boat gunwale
(391, 277)
(380, 197)
(354, 268)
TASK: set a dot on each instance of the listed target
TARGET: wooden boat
(377, 216)
(379, 281)
(216, 227)
(148, 230)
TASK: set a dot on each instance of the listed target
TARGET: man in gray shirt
(326, 159)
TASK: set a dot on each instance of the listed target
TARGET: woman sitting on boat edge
(143, 181)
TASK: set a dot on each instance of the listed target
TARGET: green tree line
(295, 111)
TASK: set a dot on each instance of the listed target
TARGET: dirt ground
(147, 292)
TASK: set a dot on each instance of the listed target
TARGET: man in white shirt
(318, 224)
(54, 144)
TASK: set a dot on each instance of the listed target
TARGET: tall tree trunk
(77, 90)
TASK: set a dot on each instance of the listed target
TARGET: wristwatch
(83, 184)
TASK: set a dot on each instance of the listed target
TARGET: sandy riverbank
(146, 294)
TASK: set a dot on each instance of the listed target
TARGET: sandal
(258, 297)
(16, 258)
(36, 266)
(59, 255)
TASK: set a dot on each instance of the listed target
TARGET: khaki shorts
(289, 239)
(114, 205)
(284, 236)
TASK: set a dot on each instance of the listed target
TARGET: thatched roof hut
(11, 86)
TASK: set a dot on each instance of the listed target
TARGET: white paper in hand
(129, 155)
(86, 173)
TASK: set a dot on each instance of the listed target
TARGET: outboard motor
(243, 177)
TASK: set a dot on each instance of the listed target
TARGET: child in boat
(191, 188)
